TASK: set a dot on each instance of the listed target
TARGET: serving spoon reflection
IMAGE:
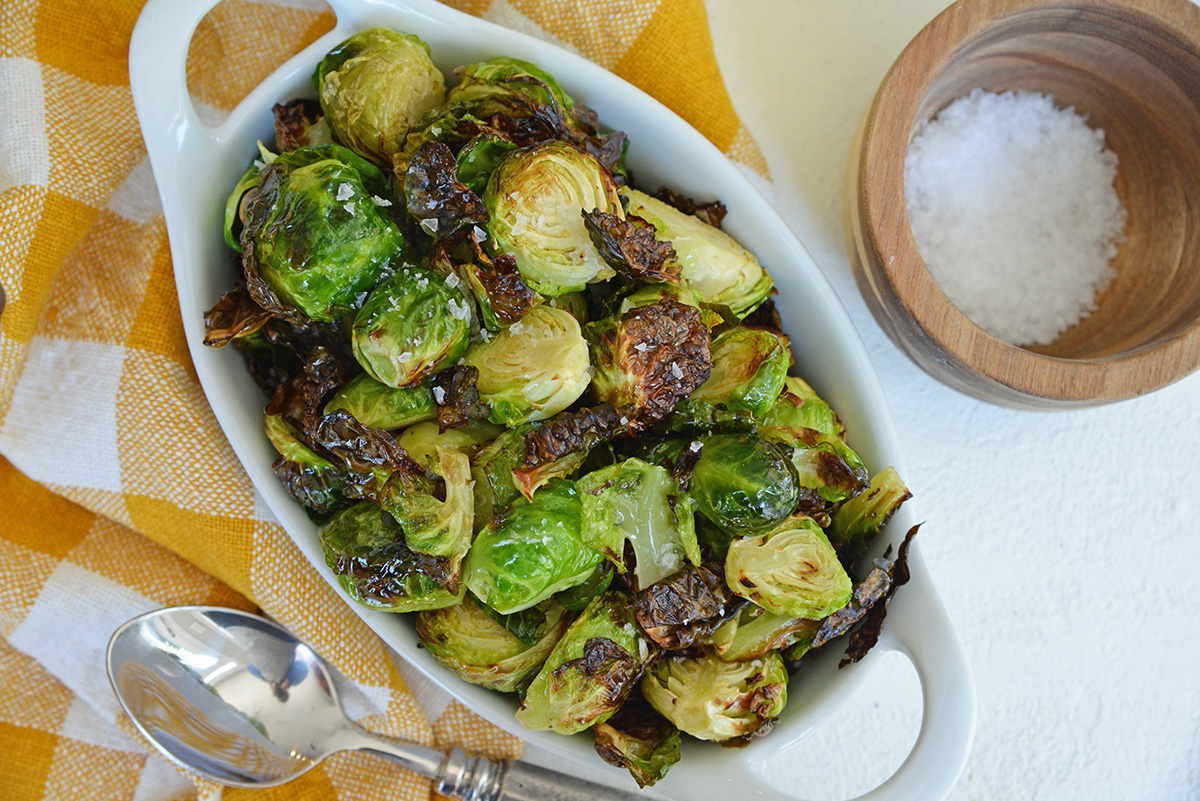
(237, 699)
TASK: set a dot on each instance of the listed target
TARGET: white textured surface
(1065, 545)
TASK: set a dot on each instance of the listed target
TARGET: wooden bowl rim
(880, 196)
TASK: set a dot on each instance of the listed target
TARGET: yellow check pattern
(120, 493)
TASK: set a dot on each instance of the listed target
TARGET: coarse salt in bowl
(1073, 329)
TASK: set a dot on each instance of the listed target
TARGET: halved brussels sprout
(712, 699)
(743, 484)
(466, 640)
(755, 631)
(640, 740)
(718, 269)
(423, 439)
(790, 571)
(531, 552)
(441, 529)
(377, 405)
(533, 369)
(365, 548)
(748, 370)
(536, 199)
(591, 670)
(315, 238)
(374, 87)
(411, 325)
(799, 406)
(641, 504)
(858, 520)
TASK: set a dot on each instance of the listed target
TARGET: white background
(1065, 545)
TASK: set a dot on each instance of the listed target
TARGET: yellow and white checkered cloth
(120, 493)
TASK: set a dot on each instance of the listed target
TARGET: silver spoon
(237, 699)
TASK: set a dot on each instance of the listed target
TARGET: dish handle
(919, 628)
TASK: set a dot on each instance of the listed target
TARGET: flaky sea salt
(1012, 206)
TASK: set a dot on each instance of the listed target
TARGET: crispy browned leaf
(765, 316)
(457, 397)
(638, 739)
(606, 149)
(878, 597)
(631, 248)
(293, 123)
(301, 397)
(361, 447)
(570, 432)
(686, 606)
(604, 662)
(234, 315)
(712, 212)
(435, 197)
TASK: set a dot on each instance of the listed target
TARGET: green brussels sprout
(479, 158)
(749, 366)
(743, 484)
(438, 528)
(315, 238)
(591, 670)
(531, 552)
(856, 522)
(423, 439)
(640, 740)
(712, 699)
(640, 503)
(379, 406)
(533, 369)
(791, 571)
(715, 266)
(374, 87)
(411, 325)
(503, 78)
(754, 631)
(536, 198)
(468, 642)
(365, 548)
(492, 467)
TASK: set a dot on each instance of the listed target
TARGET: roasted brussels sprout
(467, 641)
(411, 325)
(536, 199)
(858, 520)
(712, 699)
(366, 550)
(641, 504)
(748, 370)
(649, 358)
(437, 528)
(533, 369)
(743, 484)
(640, 740)
(591, 670)
(531, 552)
(755, 631)
(374, 87)
(315, 238)
(799, 406)
(790, 571)
(379, 406)
(423, 439)
(715, 266)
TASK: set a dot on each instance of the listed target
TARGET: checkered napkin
(119, 491)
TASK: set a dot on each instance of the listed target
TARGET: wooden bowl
(1133, 69)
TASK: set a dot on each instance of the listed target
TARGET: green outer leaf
(858, 520)
(233, 220)
(377, 405)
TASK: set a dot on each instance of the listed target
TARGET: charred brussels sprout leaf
(866, 635)
(630, 247)
(502, 295)
(791, 571)
(374, 87)
(436, 199)
(361, 447)
(743, 484)
(711, 212)
(591, 670)
(858, 520)
(640, 740)
(748, 370)
(235, 210)
(712, 699)
(315, 239)
(411, 326)
(467, 641)
(649, 358)
(315, 482)
(685, 607)
(300, 124)
(365, 549)
(535, 199)
(235, 315)
(379, 406)
(641, 504)
(714, 265)
(531, 552)
(534, 369)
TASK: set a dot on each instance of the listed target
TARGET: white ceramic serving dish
(196, 166)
